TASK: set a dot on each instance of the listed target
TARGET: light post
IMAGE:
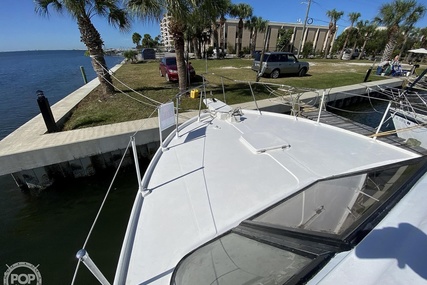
(303, 29)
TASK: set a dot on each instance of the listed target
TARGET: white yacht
(249, 197)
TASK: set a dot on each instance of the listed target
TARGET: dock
(36, 158)
(347, 124)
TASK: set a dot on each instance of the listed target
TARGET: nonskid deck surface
(218, 172)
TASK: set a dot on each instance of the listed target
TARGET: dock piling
(46, 112)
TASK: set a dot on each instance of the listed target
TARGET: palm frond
(43, 5)
(146, 9)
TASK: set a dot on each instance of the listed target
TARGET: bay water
(49, 229)
(56, 73)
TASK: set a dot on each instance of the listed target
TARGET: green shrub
(130, 55)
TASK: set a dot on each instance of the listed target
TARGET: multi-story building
(317, 35)
(167, 39)
(228, 36)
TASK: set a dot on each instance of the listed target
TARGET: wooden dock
(347, 124)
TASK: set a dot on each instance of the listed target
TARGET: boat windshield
(333, 206)
(229, 260)
(288, 242)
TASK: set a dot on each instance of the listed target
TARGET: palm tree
(241, 11)
(197, 25)
(394, 15)
(408, 25)
(82, 11)
(408, 32)
(255, 25)
(223, 9)
(423, 36)
(353, 17)
(180, 11)
(136, 38)
(334, 15)
(367, 30)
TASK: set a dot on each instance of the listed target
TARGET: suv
(277, 63)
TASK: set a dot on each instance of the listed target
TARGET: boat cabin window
(235, 259)
(290, 241)
(336, 205)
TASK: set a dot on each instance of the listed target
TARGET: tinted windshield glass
(335, 205)
(234, 259)
(288, 242)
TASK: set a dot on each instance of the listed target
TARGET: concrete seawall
(36, 158)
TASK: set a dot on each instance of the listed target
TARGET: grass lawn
(137, 82)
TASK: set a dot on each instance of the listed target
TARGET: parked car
(276, 63)
(168, 69)
(347, 55)
(221, 53)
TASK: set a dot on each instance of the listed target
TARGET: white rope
(101, 207)
(127, 86)
(105, 198)
(142, 102)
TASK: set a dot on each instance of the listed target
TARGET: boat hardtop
(230, 164)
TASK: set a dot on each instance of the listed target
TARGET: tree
(423, 37)
(285, 36)
(198, 27)
(241, 11)
(136, 38)
(130, 55)
(367, 31)
(394, 15)
(334, 15)
(408, 26)
(353, 17)
(357, 36)
(158, 40)
(148, 41)
(376, 42)
(255, 24)
(223, 9)
(82, 11)
(180, 11)
(308, 49)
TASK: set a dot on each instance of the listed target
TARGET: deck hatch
(259, 142)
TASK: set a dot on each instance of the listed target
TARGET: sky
(22, 29)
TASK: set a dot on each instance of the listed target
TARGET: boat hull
(410, 128)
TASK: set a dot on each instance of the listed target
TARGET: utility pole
(303, 29)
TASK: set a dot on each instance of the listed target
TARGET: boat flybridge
(240, 196)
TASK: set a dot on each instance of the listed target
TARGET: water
(48, 230)
(368, 113)
(56, 73)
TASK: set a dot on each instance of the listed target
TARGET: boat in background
(238, 196)
(408, 111)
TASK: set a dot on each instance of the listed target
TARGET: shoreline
(36, 158)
